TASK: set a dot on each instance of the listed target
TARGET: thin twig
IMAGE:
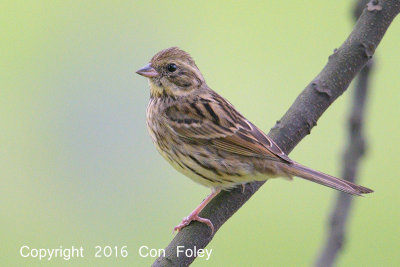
(351, 161)
(353, 153)
(330, 83)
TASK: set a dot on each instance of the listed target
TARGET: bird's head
(172, 72)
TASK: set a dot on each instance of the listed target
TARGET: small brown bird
(204, 137)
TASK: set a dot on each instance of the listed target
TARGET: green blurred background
(78, 167)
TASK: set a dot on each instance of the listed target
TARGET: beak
(147, 71)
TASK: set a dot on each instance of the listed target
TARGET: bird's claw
(187, 220)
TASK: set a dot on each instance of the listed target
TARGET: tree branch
(351, 159)
(329, 84)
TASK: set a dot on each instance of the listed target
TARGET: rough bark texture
(352, 155)
(324, 89)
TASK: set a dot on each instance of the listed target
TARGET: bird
(206, 138)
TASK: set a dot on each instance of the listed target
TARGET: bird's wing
(214, 121)
(200, 119)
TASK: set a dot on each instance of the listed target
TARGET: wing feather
(215, 120)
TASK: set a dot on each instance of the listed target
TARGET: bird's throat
(156, 90)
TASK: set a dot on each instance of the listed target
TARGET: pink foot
(194, 217)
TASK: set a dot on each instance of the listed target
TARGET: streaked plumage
(203, 136)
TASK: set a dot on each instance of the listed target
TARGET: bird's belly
(208, 169)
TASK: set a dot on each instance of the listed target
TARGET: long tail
(301, 171)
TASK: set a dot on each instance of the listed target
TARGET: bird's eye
(171, 67)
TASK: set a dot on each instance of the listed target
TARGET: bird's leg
(243, 188)
(194, 215)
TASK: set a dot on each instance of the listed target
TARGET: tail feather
(301, 171)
